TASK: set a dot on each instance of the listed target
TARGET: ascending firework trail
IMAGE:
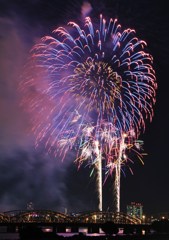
(86, 88)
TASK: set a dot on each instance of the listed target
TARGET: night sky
(27, 174)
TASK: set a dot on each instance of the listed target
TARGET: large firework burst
(88, 86)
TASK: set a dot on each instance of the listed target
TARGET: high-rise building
(135, 210)
(30, 206)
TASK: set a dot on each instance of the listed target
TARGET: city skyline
(31, 175)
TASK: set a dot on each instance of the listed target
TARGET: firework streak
(88, 87)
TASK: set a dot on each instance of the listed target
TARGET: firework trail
(126, 144)
(86, 87)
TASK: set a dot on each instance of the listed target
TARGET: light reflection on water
(88, 234)
(15, 236)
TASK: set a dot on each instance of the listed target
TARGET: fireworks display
(90, 88)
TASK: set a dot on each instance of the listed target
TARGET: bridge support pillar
(93, 229)
(54, 230)
(61, 229)
(74, 229)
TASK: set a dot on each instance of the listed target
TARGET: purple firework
(88, 80)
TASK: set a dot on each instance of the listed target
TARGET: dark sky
(27, 174)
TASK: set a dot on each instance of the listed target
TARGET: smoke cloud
(86, 9)
(26, 174)
(29, 174)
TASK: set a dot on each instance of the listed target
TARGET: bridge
(56, 222)
(49, 216)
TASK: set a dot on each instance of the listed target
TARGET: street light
(143, 219)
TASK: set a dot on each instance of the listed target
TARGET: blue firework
(96, 76)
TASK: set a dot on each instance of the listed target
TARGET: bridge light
(143, 217)
(95, 217)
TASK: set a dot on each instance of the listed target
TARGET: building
(135, 210)
(30, 206)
